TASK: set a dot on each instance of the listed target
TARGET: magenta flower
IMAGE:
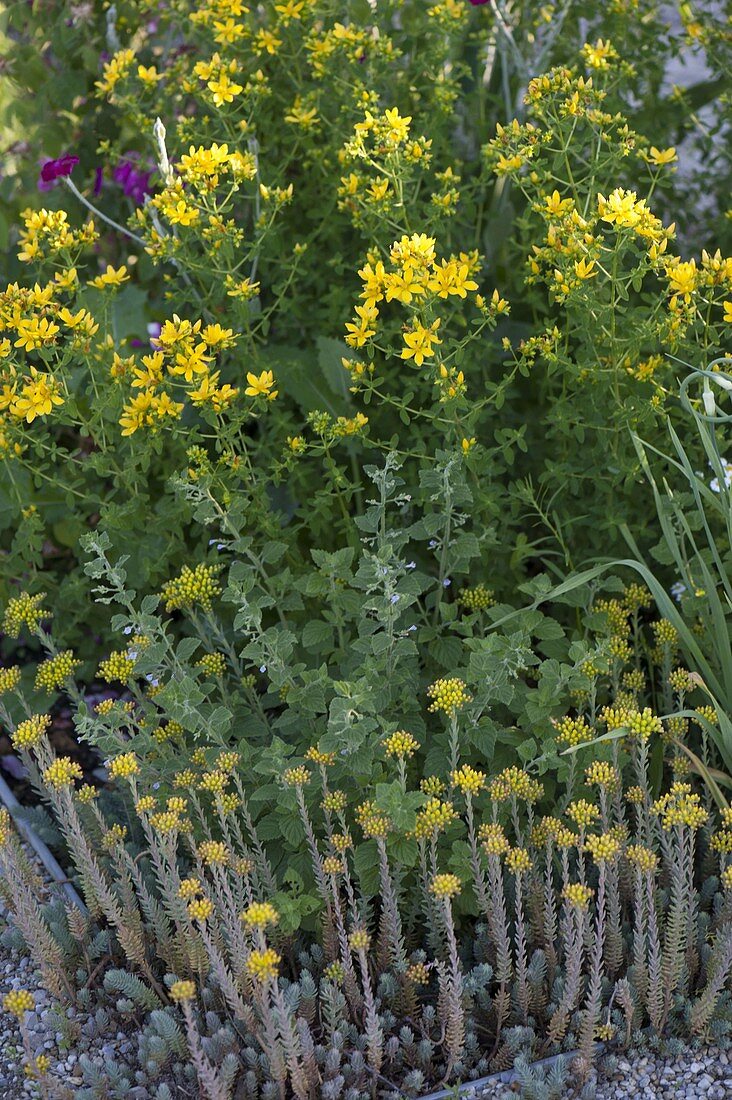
(57, 169)
(479, 3)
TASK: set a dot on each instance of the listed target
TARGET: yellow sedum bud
(27, 734)
(18, 1001)
(578, 895)
(9, 679)
(263, 965)
(200, 909)
(469, 780)
(603, 848)
(401, 744)
(448, 695)
(259, 914)
(124, 766)
(445, 886)
(182, 991)
(62, 773)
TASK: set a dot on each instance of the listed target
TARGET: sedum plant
(429, 923)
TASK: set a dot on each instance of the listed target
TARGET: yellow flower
(728, 312)
(191, 588)
(34, 333)
(9, 678)
(37, 397)
(261, 385)
(200, 909)
(582, 812)
(223, 89)
(398, 127)
(643, 858)
(682, 278)
(518, 861)
(29, 732)
(112, 277)
(469, 780)
(359, 940)
(662, 156)
(213, 852)
(602, 848)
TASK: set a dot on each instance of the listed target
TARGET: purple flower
(479, 3)
(134, 183)
(52, 170)
(98, 180)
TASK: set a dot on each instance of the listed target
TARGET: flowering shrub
(307, 262)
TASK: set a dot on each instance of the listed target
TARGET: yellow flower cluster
(47, 233)
(433, 818)
(518, 861)
(124, 766)
(643, 723)
(54, 672)
(213, 664)
(62, 773)
(469, 780)
(572, 731)
(28, 733)
(680, 807)
(183, 356)
(18, 1001)
(213, 852)
(624, 210)
(323, 759)
(602, 774)
(118, 666)
(9, 679)
(263, 965)
(260, 914)
(514, 782)
(445, 886)
(578, 895)
(643, 858)
(167, 821)
(401, 744)
(493, 839)
(583, 813)
(478, 598)
(334, 802)
(603, 848)
(192, 588)
(359, 940)
(200, 909)
(182, 991)
(24, 610)
(448, 695)
(296, 777)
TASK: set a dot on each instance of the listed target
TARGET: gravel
(63, 1040)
